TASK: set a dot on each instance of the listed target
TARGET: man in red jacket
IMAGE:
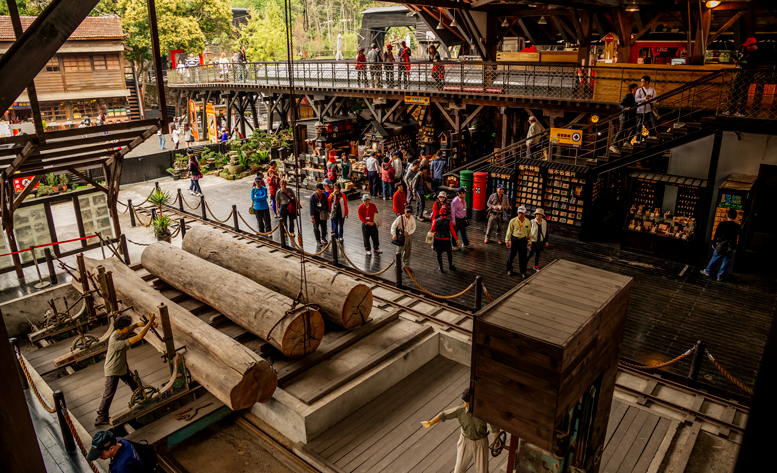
(404, 71)
(367, 212)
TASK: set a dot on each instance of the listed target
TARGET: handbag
(377, 219)
(723, 248)
(462, 223)
(400, 234)
(251, 210)
(430, 237)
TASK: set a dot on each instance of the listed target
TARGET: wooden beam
(66, 160)
(480, 3)
(328, 106)
(508, 29)
(539, 119)
(88, 179)
(439, 19)
(391, 110)
(633, 41)
(66, 167)
(19, 160)
(472, 115)
(445, 114)
(725, 27)
(567, 34)
(25, 192)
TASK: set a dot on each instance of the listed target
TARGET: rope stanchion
(176, 232)
(190, 207)
(437, 296)
(257, 232)
(214, 216)
(310, 254)
(727, 375)
(50, 410)
(80, 444)
(660, 365)
(342, 252)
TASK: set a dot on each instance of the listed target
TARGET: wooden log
(296, 332)
(237, 376)
(343, 299)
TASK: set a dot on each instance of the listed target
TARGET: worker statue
(473, 441)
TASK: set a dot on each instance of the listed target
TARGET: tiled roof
(93, 27)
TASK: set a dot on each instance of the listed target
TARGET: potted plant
(63, 181)
(161, 224)
(53, 182)
(175, 173)
(42, 191)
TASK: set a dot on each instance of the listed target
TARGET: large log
(237, 376)
(295, 331)
(342, 299)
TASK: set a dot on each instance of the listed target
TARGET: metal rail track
(452, 307)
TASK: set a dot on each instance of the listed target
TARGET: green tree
(265, 35)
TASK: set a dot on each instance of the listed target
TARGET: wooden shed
(539, 348)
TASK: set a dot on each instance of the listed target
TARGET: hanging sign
(566, 136)
(193, 121)
(417, 100)
(20, 183)
(210, 113)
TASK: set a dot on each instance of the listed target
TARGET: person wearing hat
(459, 216)
(260, 205)
(404, 70)
(443, 233)
(375, 58)
(518, 241)
(367, 212)
(441, 203)
(116, 368)
(361, 71)
(498, 206)
(402, 235)
(388, 59)
(125, 456)
(539, 237)
(319, 213)
(749, 59)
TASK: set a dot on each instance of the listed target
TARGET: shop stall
(735, 193)
(664, 215)
(380, 137)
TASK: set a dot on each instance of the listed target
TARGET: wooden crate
(538, 348)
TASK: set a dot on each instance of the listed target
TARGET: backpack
(330, 174)
(147, 455)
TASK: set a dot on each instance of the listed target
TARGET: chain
(139, 244)
(214, 217)
(137, 216)
(490, 299)
(43, 403)
(342, 252)
(436, 295)
(660, 365)
(727, 375)
(190, 207)
(252, 228)
(187, 417)
(309, 254)
(77, 438)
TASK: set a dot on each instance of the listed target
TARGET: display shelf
(529, 188)
(564, 197)
(735, 193)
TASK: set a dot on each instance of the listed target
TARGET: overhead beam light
(712, 3)
(505, 23)
(542, 21)
(439, 25)
(633, 6)
(454, 24)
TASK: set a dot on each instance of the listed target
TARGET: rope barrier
(727, 375)
(309, 254)
(176, 232)
(77, 438)
(137, 216)
(660, 365)
(190, 207)
(490, 299)
(214, 216)
(342, 252)
(43, 403)
(437, 296)
(252, 228)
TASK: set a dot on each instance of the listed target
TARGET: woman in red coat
(338, 209)
(361, 68)
(400, 200)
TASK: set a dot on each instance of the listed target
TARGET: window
(77, 63)
(116, 107)
(99, 62)
(112, 62)
(52, 65)
(53, 111)
(85, 108)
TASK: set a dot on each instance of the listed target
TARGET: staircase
(134, 107)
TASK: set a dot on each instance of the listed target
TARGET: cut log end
(357, 307)
(258, 385)
(303, 334)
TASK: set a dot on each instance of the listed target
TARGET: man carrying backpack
(125, 456)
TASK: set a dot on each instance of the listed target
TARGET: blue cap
(102, 441)
(500, 186)
(461, 190)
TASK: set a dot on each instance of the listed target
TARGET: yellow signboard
(417, 100)
(210, 112)
(566, 136)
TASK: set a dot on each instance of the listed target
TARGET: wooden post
(17, 353)
(511, 454)
(182, 224)
(157, 53)
(111, 290)
(478, 293)
(180, 201)
(104, 288)
(131, 213)
(67, 436)
(698, 356)
(202, 205)
(398, 270)
(50, 266)
(284, 245)
(164, 315)
(125, 249)
(234, 218)
(335, 249)
(85, 286)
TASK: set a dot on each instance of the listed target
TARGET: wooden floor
(42, 359)
(84, 389)
(386, 434)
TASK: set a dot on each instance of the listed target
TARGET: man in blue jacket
(439, 165)
(260, 205)
(319, 213)
(124, 457)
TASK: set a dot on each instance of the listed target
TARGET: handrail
(495, 154)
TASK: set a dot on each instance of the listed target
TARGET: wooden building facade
(85, 78)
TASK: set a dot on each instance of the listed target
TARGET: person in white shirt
(539, 237)
(404, 225)
(176, 133)
(645, 116)
(224, 65)
(373, 174)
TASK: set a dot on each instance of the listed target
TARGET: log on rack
(343, 300)
(295, 331)
(237, 376)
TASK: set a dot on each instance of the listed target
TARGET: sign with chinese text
(417, 100)
(20, 183)
(566, 136)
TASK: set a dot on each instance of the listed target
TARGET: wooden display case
(545, 344)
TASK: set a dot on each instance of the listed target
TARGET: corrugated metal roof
(93, 27)
(386, 10)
